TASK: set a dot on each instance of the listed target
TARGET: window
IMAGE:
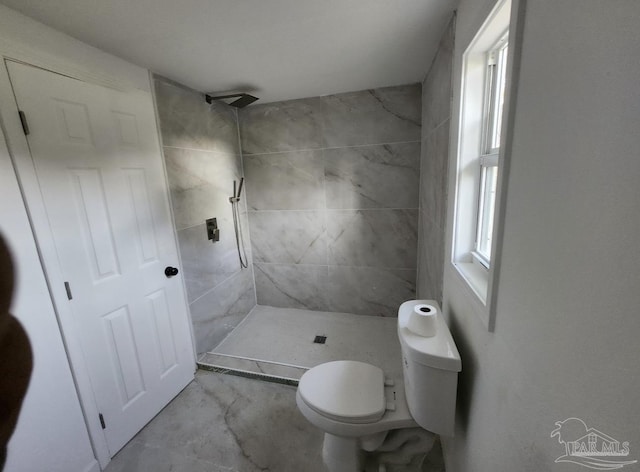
(482, 99)
(496, 71)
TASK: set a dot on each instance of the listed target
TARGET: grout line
(247, 316)
(337, 209)
(332, 148)
(439, 125)
(210, 151)
(325, 232)
(246, 210)
(331, 265)
(215, 286)
(189, 227)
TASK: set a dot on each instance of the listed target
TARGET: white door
(100, 172)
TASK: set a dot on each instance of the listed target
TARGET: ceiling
(275, 49)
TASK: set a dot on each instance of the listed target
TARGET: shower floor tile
(286, 336)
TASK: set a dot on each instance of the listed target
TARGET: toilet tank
(430, 367)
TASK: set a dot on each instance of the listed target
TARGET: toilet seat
(345, 391)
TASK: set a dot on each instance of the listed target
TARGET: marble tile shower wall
(203, 158)
(434, 165)
(332, 192)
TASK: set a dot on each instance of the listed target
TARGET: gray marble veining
(370, 291)
(200, 184)
(206, 264)
(225, 423)
(292, 285)
(285, 181)
(292, 237)
(202, 156)
(434, 174)
(373, 238)
(434, 164)
(283, 126)
(285, 336)
(383, 115)
(431, 257)
(436, 90)
(347, 156)
(187, 121)
(379, 176)
(220, 310)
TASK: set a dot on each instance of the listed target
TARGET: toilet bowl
(356, 406)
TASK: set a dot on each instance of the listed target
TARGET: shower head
(243, 100)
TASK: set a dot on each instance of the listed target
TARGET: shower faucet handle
(213, 233)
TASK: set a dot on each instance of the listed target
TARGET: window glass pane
(498, 97)
(487, 210)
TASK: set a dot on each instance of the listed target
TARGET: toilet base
(341, 454)
(402, 450)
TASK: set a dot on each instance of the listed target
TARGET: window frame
(477, 273)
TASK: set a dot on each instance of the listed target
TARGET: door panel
(100, 172)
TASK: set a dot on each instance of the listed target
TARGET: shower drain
(320, 339)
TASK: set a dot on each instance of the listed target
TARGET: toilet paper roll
(422, 320)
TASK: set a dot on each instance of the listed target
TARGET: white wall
(567, 322)
(21, 38)
(51, 434)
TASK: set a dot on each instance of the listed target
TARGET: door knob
(170, 271)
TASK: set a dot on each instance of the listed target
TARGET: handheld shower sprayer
(236, 198)
(235, 210)
(240, 186)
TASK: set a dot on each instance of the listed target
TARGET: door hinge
(68, 289)
(104, 426)
(23, 120)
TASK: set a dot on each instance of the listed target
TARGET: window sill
(477, 278)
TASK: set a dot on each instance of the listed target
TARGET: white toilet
(356, 406)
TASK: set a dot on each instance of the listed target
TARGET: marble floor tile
(285, 335)
(222, 423)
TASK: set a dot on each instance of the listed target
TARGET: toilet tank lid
(438, 351)
(348, 391)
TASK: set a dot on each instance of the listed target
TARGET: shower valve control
(213, 233)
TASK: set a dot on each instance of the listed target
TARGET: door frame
(28, 181)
